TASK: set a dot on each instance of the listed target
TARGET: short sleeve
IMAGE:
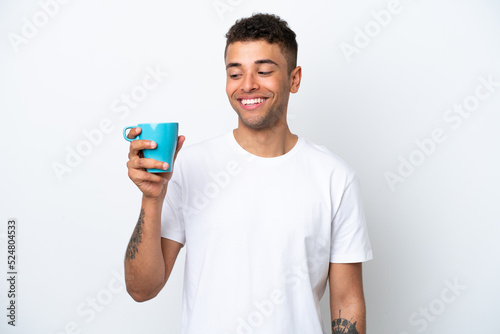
(172, 219)
(349, 239)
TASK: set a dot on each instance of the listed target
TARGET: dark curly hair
(267, 27)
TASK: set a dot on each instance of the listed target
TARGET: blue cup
(165, 137)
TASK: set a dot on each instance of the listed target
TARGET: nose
(249, 83)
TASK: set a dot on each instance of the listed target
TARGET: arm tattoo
(343, 326)
(136, 238)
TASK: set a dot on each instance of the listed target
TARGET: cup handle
(125, 132)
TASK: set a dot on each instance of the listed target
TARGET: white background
(436, 226)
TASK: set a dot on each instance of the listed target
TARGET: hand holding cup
(153, 150)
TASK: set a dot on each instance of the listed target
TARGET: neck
(266, 143)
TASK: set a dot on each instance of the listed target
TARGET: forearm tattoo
(343, 326)
(136, 238)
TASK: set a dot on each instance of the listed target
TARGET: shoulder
(322, 157)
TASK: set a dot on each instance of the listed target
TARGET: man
(267, 217)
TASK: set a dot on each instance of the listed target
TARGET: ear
(295, 78)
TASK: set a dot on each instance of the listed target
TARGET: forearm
(144, 263)
(349, 317)
(347, 300)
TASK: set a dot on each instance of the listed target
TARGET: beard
(260, 122)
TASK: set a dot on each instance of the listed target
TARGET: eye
(265, 73)
(234, 76)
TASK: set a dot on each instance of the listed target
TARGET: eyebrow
(260, 61)
(266, 61)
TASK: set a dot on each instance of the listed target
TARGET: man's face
(257, 84)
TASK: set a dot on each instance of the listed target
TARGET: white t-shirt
(260, 233)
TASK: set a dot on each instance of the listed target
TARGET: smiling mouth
(252, 102)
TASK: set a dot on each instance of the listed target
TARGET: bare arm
(149, 258)
(347, 301)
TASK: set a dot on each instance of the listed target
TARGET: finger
(138, 176)
(139, 145)
(142, 163)
(134, 132)
(180, 142)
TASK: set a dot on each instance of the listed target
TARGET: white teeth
(252, 101)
